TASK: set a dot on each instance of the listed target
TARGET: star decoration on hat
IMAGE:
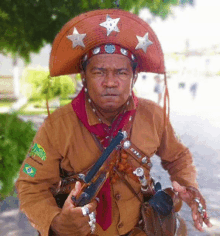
(143, 42)
(110, 24)
(76, 38)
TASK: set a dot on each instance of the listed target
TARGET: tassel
(166, 105)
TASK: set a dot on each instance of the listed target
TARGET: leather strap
(137, 154)
(128, 185)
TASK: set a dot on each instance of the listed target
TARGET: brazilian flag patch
(37, 150)
(29, 170)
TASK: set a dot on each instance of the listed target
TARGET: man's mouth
(110, 95)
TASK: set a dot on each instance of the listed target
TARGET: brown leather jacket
(63, 140)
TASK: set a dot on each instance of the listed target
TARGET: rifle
(92, 181)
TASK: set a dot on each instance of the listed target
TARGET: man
(108, 48)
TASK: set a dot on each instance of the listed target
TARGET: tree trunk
(16, 77)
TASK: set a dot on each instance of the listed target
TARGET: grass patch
(6, 103)
(32, 113)
(65, 101)
(39, 107)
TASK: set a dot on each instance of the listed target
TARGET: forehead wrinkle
(106, 68)
(109, 62)
(110, 66)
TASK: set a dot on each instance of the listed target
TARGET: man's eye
(98, 72)
(122, 73)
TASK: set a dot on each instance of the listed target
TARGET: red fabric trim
(102, 50)
(104, 209)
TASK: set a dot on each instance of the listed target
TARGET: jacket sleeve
(39, 172)
(176, 158)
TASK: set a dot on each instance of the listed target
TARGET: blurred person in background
(158, 88)
(193, 89)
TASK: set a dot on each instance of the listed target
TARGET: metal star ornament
(143, 42)
(76, 38)
(110, 24)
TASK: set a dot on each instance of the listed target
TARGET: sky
(199, 24)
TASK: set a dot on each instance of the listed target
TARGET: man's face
(109, 81)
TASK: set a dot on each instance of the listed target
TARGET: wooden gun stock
(92, 182)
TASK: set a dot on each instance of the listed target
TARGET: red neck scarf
(101, 130)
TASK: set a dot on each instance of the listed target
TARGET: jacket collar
(92, 117)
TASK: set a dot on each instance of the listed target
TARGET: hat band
(108, 49)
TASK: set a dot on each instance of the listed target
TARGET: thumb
(178, 188)
(75, 191)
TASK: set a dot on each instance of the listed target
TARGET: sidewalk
(12, 221)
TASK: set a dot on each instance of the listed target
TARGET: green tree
(15, 139)
(27, 25)
(36, 85)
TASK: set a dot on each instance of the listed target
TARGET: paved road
(207, 160)
(199, 128)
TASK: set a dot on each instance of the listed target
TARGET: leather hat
(109, 27)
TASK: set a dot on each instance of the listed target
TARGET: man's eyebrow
(102, 68)
(122, 69)
(98, 68)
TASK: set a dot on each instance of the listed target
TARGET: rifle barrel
(115, 141)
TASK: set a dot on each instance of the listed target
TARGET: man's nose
(110, 80)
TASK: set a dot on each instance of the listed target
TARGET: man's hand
(71, 220)
(188, 195)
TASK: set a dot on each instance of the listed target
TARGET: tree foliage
(26, 25)
(36, 85)
(15, 139)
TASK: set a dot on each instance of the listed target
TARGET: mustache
(110, 93)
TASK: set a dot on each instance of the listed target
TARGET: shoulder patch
(29, 170)
(37, 150)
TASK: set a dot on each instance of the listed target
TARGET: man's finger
(198, 222)
(207, 221)
(77, 189)
(194, 210)
(199, 218)
(178, 188)
(198, 225)
(91, 207)
(73, 193)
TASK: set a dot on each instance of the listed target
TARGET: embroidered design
(35, 160)
(37, 150)
(29, 170)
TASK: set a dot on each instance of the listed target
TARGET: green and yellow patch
(29, 170)
(37, 150)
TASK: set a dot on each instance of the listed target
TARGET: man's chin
(108, 108)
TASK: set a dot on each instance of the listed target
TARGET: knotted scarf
(101, 130)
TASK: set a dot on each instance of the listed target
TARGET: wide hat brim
(66, 57)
